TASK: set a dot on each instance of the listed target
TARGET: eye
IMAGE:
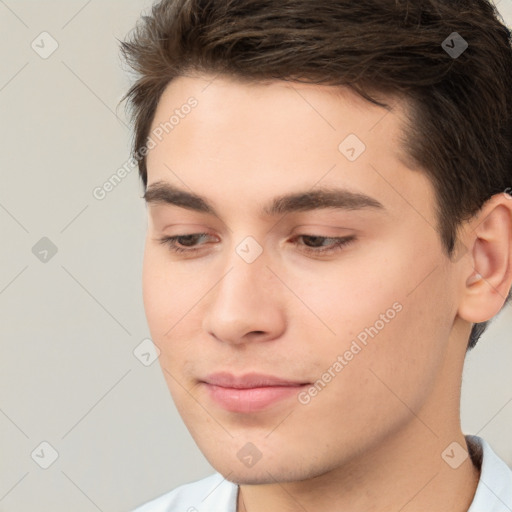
(317, 243)
(314, 244)
(187, 241)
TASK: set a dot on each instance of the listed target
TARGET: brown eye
(183, 243)
(315, 244)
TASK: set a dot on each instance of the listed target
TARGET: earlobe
(487, 276)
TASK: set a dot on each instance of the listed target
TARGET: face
(288, 326)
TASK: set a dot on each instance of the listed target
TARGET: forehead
(242, 141)
(224, 103)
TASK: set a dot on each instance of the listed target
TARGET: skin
(372, 439)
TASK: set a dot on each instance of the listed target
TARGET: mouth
(250, 392)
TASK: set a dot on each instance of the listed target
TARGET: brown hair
(460, 106)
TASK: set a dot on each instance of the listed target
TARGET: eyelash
(340, 243)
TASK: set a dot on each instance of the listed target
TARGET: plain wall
(69, 325)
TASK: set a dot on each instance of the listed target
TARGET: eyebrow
(309, 200)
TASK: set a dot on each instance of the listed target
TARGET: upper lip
(249, 380)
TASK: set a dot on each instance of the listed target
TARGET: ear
(486, 275)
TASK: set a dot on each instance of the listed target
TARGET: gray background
(69, 324)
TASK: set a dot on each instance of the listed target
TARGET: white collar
(494, 490)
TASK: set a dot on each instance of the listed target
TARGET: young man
(329, 232)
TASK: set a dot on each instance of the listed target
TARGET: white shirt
(216, 494)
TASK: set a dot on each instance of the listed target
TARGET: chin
(264, 472)
(260, 477)
(244, 478)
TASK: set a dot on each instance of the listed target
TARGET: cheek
(172, 296)
(348, 297)
(384, 317)
(166, 293)
(384, 365)
(155, 291)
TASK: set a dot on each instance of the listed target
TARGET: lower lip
(250, 399)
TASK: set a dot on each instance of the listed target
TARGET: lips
(250, 392)
(249, 380)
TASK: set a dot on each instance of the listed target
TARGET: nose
(246, 304)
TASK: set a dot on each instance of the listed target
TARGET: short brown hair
(460, 106)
